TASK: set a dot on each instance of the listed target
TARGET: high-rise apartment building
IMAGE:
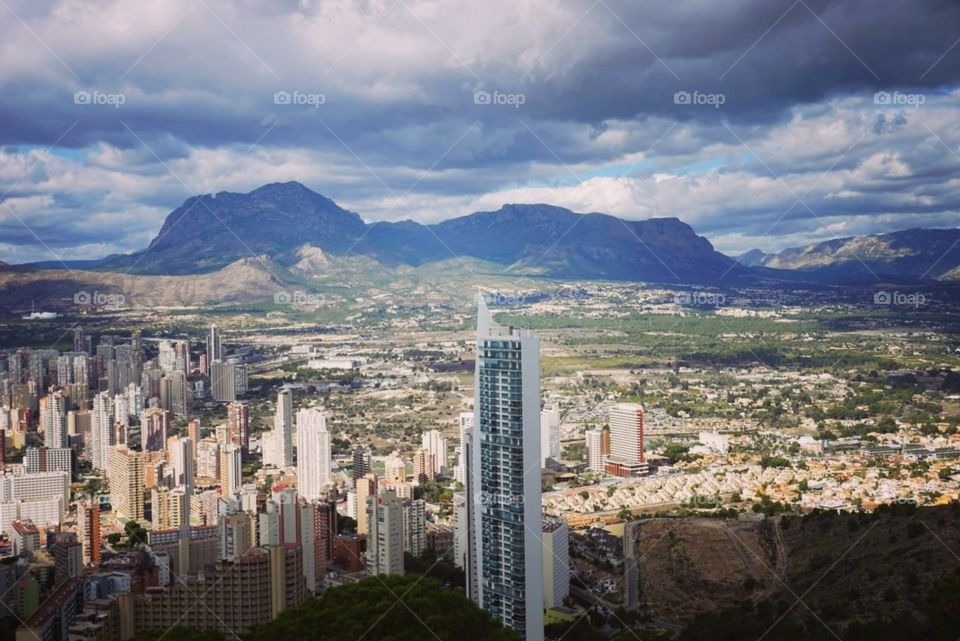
(424, 467)
(155, 423)
(168, 508)
(53, 417)
(432, 441)
(214, 345)
(385, 538)
(550, 433)
(231, 596)
(506, 483)
(325, 531)
(236, 535)
(181, 460)
(556, 561)
(395, 469)
(465, 422)
(230, 468)
(365, 488)
(598, 447)
(313, 453)
(228, 380)
(88, 530)
(362, 459)
(626, 441)
(48, 459)
(414, 526)
(125, 472)
(278, 443)
(238, 424)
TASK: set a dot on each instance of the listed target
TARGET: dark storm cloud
(181, 99)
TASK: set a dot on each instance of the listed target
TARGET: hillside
(247, 279)
(861, 576)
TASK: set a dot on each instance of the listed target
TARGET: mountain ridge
(278, 219)
(908, 255)
(282, 220)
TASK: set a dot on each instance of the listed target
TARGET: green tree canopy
(386, 608)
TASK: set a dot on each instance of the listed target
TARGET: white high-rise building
(626, 441)
(278, 444)
(595, 455)
(214, 345)
(505, 483)
(101, 430)
(167, 356)
(385, 538)
(550, 433)
(313, 453)
(231, 473)
(556, 561)
(460, 469)
(433, 442)
(54, 417)
(134, 400)
(48, 459)
(182, 460)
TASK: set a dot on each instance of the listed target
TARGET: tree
(135, 532)
(398, 608)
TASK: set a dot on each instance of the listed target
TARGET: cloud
(781, 136)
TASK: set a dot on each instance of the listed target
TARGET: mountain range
(209, 232)
(912, 255)
(284, 232)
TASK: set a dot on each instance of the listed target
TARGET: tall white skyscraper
(505, 484)
(54, 417)
(101, 430)
(231, 473)
(278, 444)
(626, 441)
(460, 469)
(214, 345)
(433, 442)
(313, 453)
(556, 561)
(180, 451)
(550, 433)
(385, 538)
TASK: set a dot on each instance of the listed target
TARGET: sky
(761, 123)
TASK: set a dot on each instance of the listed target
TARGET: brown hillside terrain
(248, 279)
(690, 565)
(845, 567)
